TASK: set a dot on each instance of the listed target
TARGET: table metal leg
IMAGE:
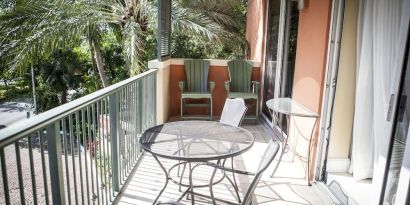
(166, 179)
(189, 179)
(309, 150)
(285, 142)
(191, 184)
(233, 181)
(182, 176)
(211, 183)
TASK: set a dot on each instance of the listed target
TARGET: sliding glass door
(398, 143)
(280, 52)
(271, 52)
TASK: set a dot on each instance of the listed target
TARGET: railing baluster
(56, 167)
(105, 130)
(32, 171)
(123, 147)
(71, 130)
(43, 165)
(139, 112)
(84, 134)
(95, 129)
(4, 175)
(134, 131)
(77, 136)
(90, 145)
(107, 148)
(67, 176)
(154, 96)
(114, 112)
(127, 129)
(99, 135)
(19, 172)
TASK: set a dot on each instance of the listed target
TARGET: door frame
(332, 69)
(403, 187)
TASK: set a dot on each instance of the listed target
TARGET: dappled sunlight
(288, 186)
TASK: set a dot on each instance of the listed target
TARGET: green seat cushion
(196, 95)
(243, 95)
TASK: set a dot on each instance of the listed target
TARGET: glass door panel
(399, 140)
(272, 35)
(280, 53)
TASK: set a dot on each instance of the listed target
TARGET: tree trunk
(64, 96)
(96, 52)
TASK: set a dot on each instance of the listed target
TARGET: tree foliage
(108, 40)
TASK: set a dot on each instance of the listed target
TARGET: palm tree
(61, 72)
(33, 29)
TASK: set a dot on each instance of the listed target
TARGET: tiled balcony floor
(287, 187)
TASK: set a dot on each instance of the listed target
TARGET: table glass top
(196, 140)
(290, 107)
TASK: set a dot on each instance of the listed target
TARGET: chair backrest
(267, 159)
(233, 112)
(196, 72)
(240, 75)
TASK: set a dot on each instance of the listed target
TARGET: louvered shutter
(164, 30)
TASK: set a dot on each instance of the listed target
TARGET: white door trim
(332, 67)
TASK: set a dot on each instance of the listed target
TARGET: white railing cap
(180, 61)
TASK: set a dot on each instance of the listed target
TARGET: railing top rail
(25, 127)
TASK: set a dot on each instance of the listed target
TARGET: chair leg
(211, 109)
(257, 110)
(182, 107)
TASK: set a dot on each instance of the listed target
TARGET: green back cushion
(196, 72)
(240, 74)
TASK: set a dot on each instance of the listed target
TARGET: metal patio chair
(196, 86)
(240, 84)
(268, 156)
(233, 112)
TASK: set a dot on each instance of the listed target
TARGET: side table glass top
(196, 140)
(290, 107)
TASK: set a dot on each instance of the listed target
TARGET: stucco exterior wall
(311, 56)
(255, 29)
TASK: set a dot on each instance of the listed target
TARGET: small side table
(291, 108)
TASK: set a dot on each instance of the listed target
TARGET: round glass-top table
(194, 141)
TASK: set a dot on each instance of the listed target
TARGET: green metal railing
(81, 152)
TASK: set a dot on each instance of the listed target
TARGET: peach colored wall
(255, 28)
(311, 55)
(219, 74)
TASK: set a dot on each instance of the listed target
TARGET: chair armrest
(211, 85)
(227, 85)
(255, 86)
(181, 85)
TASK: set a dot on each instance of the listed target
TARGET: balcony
(87, 151)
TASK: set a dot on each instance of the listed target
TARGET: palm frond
(134, 46)
(35, 29)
